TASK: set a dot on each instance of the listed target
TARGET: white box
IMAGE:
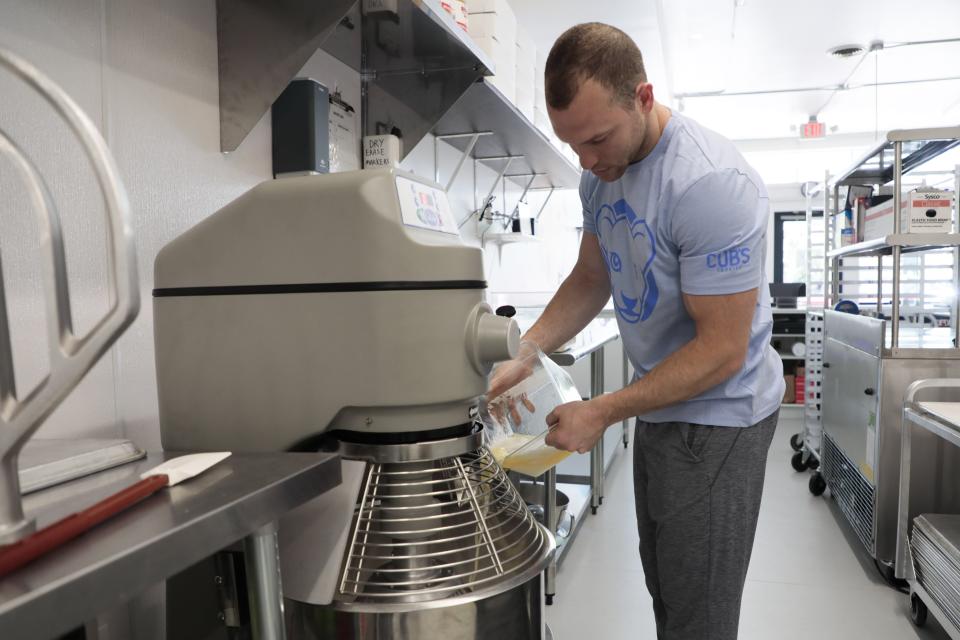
(921, 211)
(504, 58)
(524, 102)
(503, 27)
(488, 6)
(458, 11)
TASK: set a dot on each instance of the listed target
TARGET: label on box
(921, 211)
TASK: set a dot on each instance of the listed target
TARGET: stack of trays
(935, 543)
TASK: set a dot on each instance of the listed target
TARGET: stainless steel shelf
(482, 108)
(908, 243)
(414, 63)
(153, 540)
(919, 146)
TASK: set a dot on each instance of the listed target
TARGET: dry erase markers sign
(380, 152)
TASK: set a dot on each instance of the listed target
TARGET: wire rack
(424, 531)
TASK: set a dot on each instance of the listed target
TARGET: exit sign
(813, 129)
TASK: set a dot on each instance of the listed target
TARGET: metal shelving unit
(868, 362)
(414, 62)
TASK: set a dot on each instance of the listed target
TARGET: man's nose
(587, 160)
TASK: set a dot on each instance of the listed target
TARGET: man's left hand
(576, 426)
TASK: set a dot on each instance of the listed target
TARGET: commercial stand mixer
(344, 310)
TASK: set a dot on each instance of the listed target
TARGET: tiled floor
(809, 577)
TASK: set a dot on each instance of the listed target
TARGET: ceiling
(697, 47)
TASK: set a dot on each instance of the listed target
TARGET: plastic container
(515, 420)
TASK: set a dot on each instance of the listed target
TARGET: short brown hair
(598, 51)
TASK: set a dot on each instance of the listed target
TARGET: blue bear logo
(634, 288)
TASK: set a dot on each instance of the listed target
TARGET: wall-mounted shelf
(414, 63)
(505, 133)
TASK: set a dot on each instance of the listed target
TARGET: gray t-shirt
(691, 218)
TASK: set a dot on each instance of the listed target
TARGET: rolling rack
(928, 518)
(806, 444)
(871, 358)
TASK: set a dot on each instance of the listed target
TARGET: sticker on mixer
(425, 207)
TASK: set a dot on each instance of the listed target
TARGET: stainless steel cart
(928, 518)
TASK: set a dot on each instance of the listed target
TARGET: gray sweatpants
(698, 494)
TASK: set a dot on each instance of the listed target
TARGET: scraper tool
(169, 473)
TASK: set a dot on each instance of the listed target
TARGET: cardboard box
(922, 211)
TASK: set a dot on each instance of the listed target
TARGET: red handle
(16, 555)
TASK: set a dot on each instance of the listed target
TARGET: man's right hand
(508, 374)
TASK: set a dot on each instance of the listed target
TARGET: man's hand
(509, 374)
(577, 426)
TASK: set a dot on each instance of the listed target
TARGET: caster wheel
(796, 442)
(549, 599)
(813, 463)
(593, 510)
(797, 462)
(918, 610)
(817, 484)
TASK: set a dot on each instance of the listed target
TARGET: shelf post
(827, 219)
(895, 302)
(956, 258)
(879, 285)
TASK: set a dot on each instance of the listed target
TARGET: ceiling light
(846, 50)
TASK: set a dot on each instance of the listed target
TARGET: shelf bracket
(464, 154)
(503, 170)
(516, 209)
(545, 201)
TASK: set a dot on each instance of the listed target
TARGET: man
(675, 229)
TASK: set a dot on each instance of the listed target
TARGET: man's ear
(643, 95)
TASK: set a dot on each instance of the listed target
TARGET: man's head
(598, 97)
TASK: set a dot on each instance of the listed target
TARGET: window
(790, 262)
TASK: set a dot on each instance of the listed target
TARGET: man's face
(605, 134)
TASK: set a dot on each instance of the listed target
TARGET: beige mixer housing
(345, 301)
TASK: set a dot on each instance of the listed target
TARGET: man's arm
(578, 300)
(715, 354)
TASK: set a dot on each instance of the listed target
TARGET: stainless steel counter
(166, 533)
(598, 333)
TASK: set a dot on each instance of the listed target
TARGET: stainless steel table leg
(261, 558)
(550, 522)
(596, 454)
